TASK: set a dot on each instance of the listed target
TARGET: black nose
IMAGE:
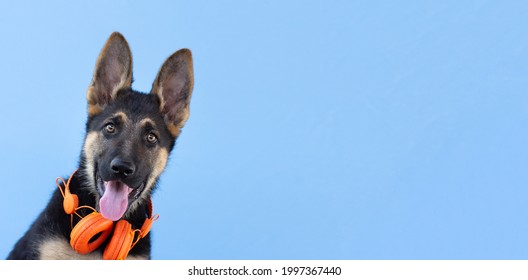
(121, 167)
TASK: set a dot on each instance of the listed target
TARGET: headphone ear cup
(70, 202)
(121, 242)
(86, 229)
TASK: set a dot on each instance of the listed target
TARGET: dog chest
(60, 249)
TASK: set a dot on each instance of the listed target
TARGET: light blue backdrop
(318, 129)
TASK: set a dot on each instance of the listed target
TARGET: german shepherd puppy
(129, 136)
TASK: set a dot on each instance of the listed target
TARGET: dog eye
(151, 138)
(110, 128)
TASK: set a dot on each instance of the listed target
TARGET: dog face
(130, 134)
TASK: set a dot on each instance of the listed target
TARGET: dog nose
(122, 167)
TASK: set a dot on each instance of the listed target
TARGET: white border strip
(219, 269)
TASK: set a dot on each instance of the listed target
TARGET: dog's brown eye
(110, 128)
(151, 138)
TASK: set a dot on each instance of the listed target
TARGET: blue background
(318, 129)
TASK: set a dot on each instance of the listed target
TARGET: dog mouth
(116, 196)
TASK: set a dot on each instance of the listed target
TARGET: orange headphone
(92, 230)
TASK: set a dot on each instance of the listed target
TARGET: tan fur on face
(90, 149)
(159, 165)
(122, 116)
(146, 121)
(160, 160)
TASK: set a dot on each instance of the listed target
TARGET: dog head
(131, 134)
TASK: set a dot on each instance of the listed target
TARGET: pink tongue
(114, 202)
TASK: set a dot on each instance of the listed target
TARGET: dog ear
(113, 71)
(174, 85)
